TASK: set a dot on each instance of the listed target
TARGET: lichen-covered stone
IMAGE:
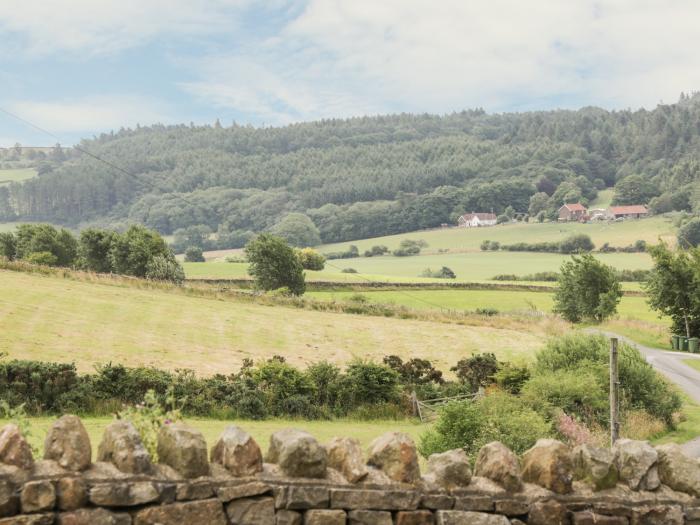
(124, 494)
(46, 518)
(14, 449)
(9, 502)
(121, 445)
(298, 454)
(209, 512)
(71, 493)
(67, 442)
(677, 470)
(300, 497)
(414, 517)
(93, 517)
(449, 470)
(238, 452)
(636, 464)
(464, 517)
(183, 449)
(374, 499)
(548, 512)
(498, 463)
(395, 454)
(369, 517)
(345, 455)
(252, 511)
(38, 496)
(595, 465)
(549, 465)
(244, 490)
(288, 517)
(324, 517)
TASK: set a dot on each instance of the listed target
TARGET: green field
(260, 430)
(603, 200)
(56, 319)
(16, 175)
(469, 267)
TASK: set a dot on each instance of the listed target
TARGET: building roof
(629, 210)
(480, 216)
(574, 207)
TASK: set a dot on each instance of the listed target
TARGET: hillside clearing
(55, 319)
(8, 176)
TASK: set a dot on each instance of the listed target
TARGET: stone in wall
(183, 449)
(68, 443)
(298, 454)
(14, 449)
(498, 463)
(448, 470)
(677, 470)
(395, 454)
(238, 452)
(595, 465)
(345, 456)
(549, 465)
(122, 446)
(636, 464)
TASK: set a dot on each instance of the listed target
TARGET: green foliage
(149, 416)
(348, 270)
(94, 250)
(298, 230)
(132, 252)
(165, 268)
(274, 264)
(376, 251)
(689, 234)
(588, 290)
(350, 253)
(511, 377)
(310, 259)
(367, 382)
(673, 287)
(8, 245)
(477, 371)
(442, 273)
(17, 415)
(469, 425)
(194, 254)
(490, 246)
(576, 244)
(42, 258)
(415, 371)
(588, 356)
(634, 189)
(409, 247)
(39, 238)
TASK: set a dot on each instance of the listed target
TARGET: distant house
(572, 212)
(476, 220)
(597, 214)
(635, 211)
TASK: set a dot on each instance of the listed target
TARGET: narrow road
(671, 365)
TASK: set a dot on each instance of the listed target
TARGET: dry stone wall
(302, 482)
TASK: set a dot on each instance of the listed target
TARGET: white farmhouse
(476, 220)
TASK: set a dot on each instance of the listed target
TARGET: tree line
(369, 176)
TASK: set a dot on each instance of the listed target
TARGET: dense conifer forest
(366, 176)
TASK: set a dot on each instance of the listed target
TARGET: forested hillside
(367, 176)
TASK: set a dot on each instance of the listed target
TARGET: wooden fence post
(614, 394)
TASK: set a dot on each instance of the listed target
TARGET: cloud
(91, 115)
(339, 58)
(93, 27)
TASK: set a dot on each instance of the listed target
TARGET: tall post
(614, 394)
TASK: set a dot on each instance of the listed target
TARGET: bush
(577, 243)
(348, 270)
(502, 219)
(42, 258)
(376, 251)
(409, 247)
(511, 378)
(194, 254)
(478, 370)
(689, 234)
(367, 383)
(351, 253)
(469, 425)
(442, 273)
(274, 264)
(310, 259)
(165, 268)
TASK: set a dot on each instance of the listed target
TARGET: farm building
(476, 220)
(636, 211)
(572, 212)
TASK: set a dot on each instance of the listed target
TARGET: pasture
(50, 318)
(8, 176)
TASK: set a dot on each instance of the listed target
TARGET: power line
(105, 161)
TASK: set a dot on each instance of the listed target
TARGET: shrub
(365, 382)
(689, 234)
(415, 371)
(511, 377)
(409, 247)
(351, 253)
(279, 381)
(489, 312)
(310, 259)
(194, 254)
(471, 424)
(478, 370)
(165, 268)
(442, 273)
(502, 219)
(577, 243)
(42, 258)
(8, 245)
(376, 251)
(348, 270)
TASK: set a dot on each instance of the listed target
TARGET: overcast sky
(81, 67)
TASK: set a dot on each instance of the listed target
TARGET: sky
(77, 68)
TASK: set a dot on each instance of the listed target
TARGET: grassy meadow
(55, 319)
(8, 176)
